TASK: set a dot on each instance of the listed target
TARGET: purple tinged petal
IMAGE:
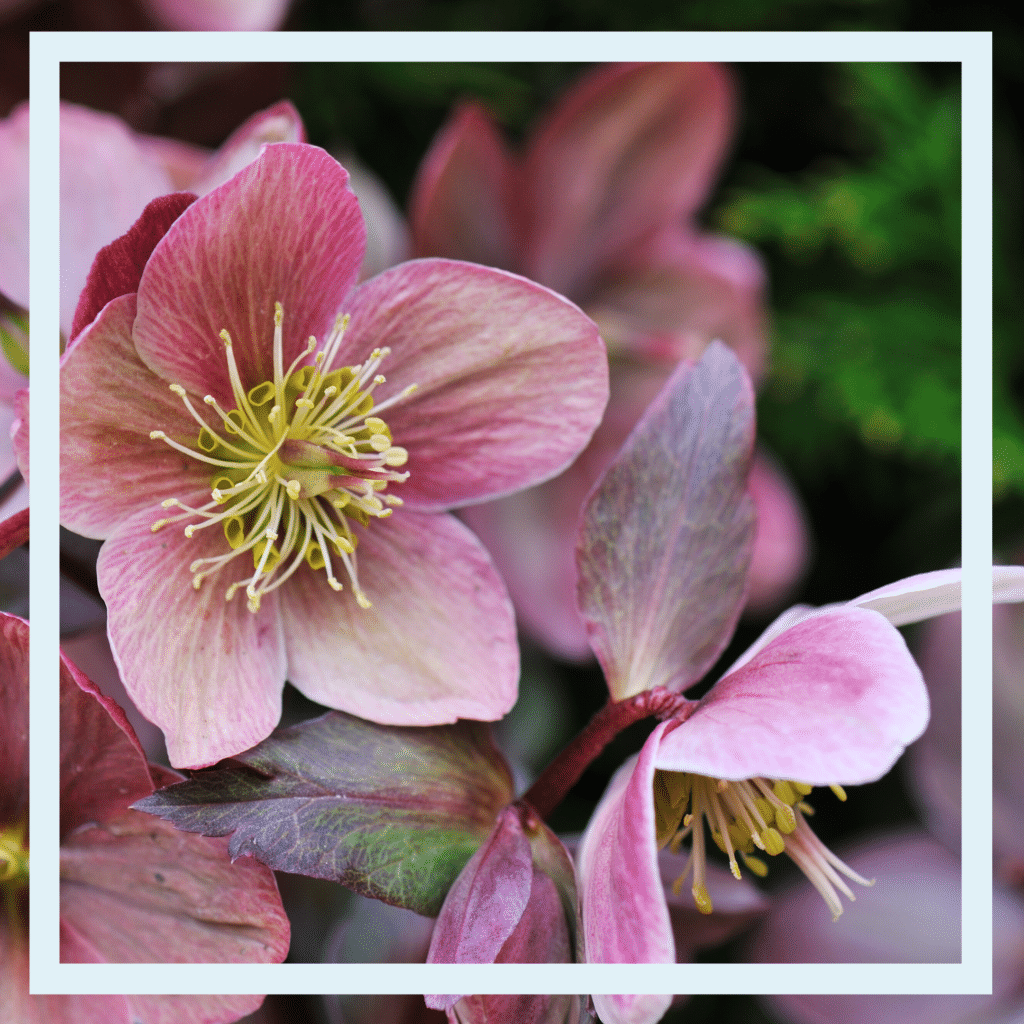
(834, 699)
(437, 644)
(511, 378)
(666, 536)
(207, 671)
(14, 643)
(218, 15)
(254, 241)
(630, 148)
(14, 206)
(110, 467)
(625, 918)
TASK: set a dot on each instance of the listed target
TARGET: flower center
(293, 465)
(13, 856)
(764, 813)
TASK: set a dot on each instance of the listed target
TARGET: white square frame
(973, 51)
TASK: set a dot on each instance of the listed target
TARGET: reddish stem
(13, 532)
(572, 761)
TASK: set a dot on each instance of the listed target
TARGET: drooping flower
(826, 697)
(244, 455)
(601, 206)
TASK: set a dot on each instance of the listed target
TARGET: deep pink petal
(484, 906)
(629, 149)
(218, 15)
(206, 670)
(102, 766)
(459, 205)
(106, 178)
(438, 644)
(14, 640)
(286, 229)
(14, 206)
(511, 378)
(625, 919)
(117, 268)
(833, 699)
(139, 891)
(782, 542)
(110, 467)
(665, 537)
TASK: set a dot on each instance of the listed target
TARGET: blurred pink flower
(601, 207)
(218, 15)
(221, 310)
(133, 888)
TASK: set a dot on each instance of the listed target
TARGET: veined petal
(437, 644)
(625, 918)
(110, 467)
(511, 378)
(14, 206)
(207, 671)
(666, 535)
(460, 200)
(834, 699)
(629, 149)
(260, 238)
(14, 639)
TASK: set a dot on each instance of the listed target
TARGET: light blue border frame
(973, 50)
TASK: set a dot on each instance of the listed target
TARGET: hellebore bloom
(493, 382)
(133, 889)
(826, 697)
(601, 206)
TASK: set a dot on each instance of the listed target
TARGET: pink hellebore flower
(493, 383)
(827, 697)
(601, 207)
(133, 888)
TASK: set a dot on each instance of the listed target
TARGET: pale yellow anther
(225, 337)
(330, 392)
(774, 844)
(218, 496)
(294, 489)
(178, 390)
(784, 792)
(342, 500)
(156, 435)
(396, 456)
(379, 379)
(274, 413)
(278, 314)
(806, 808)
(363, 601)
(168, 502)
(209, 400)
(802, 788)
(756, 865)
(156, 526)
(379, 442)
(702, 899)
(375, 424)
(735, 868)
(839, 791)
(334, 584)
(305, 403)
(785, 819)
(189, 530)
(197, 582)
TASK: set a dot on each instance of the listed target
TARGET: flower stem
(572, 761)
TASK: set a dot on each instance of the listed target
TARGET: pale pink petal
(1008, 734)
(625, 919)
(279, 123)
(110, 467)
(460, 205)
(14, 206)
(511, 378)
(677, 292)
(182, 161)
(833, 699)
(106, 178)
(218, 15)
(260, 238)
(206, 670)
(19, 434)
(387, 237)
(484, 906)
(137, 890)
(628, 150)
(665, 537)
(911, 915)
(438, 644)
(14, 640)
(781, 544)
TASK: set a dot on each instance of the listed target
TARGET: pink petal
(782, 543)
(137, 890)
(625, 919)
(14, 206)
(14, 700)
(102, 766)
(110, 467)
(833, 699)
(218, 15)
(207, 671)
(438, 644)
(484, 906)
(460, 206)
(665, 537)
(19, 434)
(511, 378)
(387, 237)
(286, 229)
(182, 161)
(630, 149)
(106, 179)
(677, 292)
(279, 123)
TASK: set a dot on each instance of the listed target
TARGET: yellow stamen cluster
(13, 856)
(294, 464)
(762, 814)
